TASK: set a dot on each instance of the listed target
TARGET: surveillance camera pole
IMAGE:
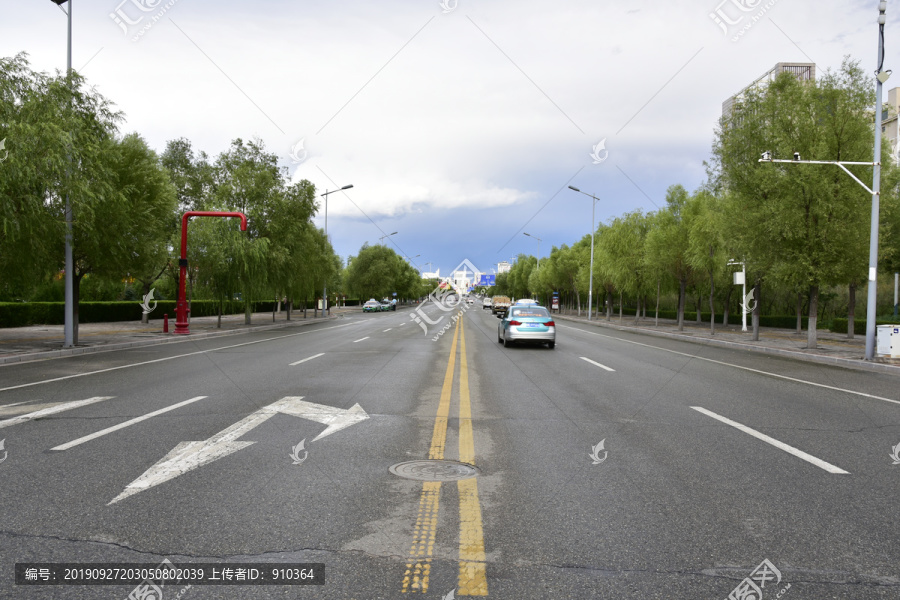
(871, 304)
(880, 78)
(743, 292)
(873, 235)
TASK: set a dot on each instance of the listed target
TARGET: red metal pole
(181, 322)
(166, 323)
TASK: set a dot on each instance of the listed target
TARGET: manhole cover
(434, 470)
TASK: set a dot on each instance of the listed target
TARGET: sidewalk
(832, 348)
(40, 342)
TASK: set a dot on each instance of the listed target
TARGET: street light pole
(871, 304)
(325, 283)
(69, 316)
(387, 235)
(591, 277)
(539, 247)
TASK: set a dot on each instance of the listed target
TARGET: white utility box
(887, 340)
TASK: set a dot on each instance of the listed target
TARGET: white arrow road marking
(780, 445)
(39, 414)
(134, 421)
(306, 359)
(190, 455)
(361, 339)
(335, 418)
(585, 358)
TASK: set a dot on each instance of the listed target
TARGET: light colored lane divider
(386, 330)
(769, 440)
(360, 339)
(46, 412)
(134, 421)
(743, 368)
(159, 360)
(306, 359)
(596, 364)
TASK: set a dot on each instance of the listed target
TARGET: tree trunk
(712, 303)
(851, 312)
(609, 304)
(682, 283)
(305, 304)
(727, 305)
(811, 339)
(699, 304)
(637, 311)
(658, 290)
(620, 306)
(288, 305)
(757, 294)
(219, 319)
(799, 313)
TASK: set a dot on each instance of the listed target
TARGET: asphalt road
(712, 462)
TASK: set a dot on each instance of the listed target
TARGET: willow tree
(620, 253)
(59, 147)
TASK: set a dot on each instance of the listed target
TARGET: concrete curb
(816, 358)
(169, 339)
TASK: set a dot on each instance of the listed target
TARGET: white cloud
(492, 105)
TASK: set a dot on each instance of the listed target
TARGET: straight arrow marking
(190, 455)
(46, 412)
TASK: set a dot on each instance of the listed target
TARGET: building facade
(802, 71)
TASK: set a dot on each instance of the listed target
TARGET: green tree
(801, 223)
(374, 272)
(59, 138)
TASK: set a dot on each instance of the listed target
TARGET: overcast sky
(460, 124)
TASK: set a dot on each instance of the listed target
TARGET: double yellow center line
(472, 579)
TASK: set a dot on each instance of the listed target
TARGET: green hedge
(859, 324)
(21, 314)
(781, 321)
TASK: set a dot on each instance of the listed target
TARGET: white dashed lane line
(134, 421)
(360, 339)
(306, 359)
(743, 368)
(586, 359)
(780, 445)
(52, 410)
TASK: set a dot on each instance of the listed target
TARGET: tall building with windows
(802, 71)
(890, 123)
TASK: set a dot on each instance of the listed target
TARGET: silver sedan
(527, 324)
